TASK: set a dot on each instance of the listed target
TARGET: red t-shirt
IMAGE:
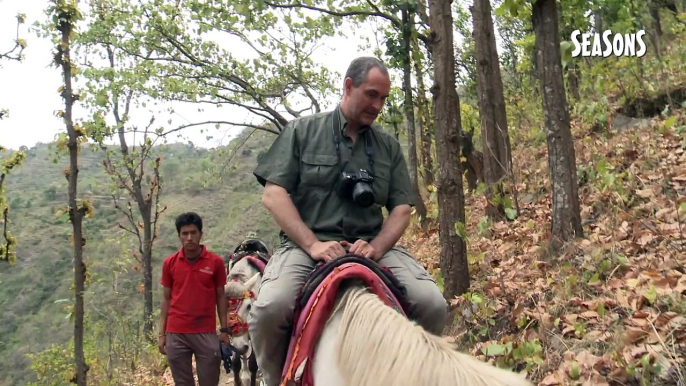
(193, 291)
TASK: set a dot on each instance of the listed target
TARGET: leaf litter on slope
(611, 308)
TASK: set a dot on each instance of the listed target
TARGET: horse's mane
(371, 334)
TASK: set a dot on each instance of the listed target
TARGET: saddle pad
(257, 260)
(312, 318)
(323, 270)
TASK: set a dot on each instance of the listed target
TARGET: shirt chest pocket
(382, 183)
(205, 277)
(318, 170)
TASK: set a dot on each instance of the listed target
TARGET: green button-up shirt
(303, 161)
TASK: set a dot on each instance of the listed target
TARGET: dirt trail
(224, 378)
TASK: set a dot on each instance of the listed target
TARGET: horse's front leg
(236, 368)
(246, 378)
(252, 365)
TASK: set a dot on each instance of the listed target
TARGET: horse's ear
(251, 282)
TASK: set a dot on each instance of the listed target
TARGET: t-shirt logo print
(207, 270)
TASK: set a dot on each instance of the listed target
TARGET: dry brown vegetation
(612, 307)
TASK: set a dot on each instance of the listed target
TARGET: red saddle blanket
(312, 318)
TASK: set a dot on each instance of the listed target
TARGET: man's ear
(348, 85)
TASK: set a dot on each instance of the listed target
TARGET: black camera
(357, 185)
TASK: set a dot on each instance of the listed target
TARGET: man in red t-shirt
(193, 279)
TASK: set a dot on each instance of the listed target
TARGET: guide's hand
(162, 345)
(326, 251)
(224, 338)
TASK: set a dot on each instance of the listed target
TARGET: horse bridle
(237, 325)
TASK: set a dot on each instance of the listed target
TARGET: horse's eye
(249, 307)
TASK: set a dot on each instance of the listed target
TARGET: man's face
(190, 237)
(367, 100)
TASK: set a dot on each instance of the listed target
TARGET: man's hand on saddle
(362, 248)
(326, 251)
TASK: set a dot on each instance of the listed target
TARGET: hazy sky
(29, 88)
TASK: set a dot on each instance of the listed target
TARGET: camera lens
(363, 194)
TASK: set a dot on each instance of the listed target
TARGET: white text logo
(619, 45)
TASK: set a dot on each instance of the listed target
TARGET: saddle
(256, 251)
(322, 271)
(315, 303)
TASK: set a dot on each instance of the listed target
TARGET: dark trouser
(180, 349)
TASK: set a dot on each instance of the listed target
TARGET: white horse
(367, 343)
(240, 289)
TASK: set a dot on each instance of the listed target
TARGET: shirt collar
(202, 255)
(344, 122)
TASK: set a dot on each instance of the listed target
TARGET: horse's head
(240, 291)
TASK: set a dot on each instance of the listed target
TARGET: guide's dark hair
(188, 218)
(360, 67)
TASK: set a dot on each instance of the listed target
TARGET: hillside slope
(611, 309)
(35, 293)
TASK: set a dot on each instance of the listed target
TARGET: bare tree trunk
(636, 21)
(450, 193)
(654, 11)
(408, 18)
(425, 130)
(494, 132)
(566, 216)
(574, 76)
(76, 212)
(146, 255)
(131, 179)
(135, 189)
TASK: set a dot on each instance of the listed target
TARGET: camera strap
(368, 148)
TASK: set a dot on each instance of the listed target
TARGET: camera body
(357, 185)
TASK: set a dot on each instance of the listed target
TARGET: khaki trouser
(271, 316)
(181, 347)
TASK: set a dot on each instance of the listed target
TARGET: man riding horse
(327, 177)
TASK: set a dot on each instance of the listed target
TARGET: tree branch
(129, 216)
(5, 221)
(155, 187)
(219, 123)
(221, 172)
(18, 44)
(390, 18)
(421, 10)
(116, 176)
(346, 13)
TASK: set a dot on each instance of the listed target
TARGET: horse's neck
(373, 345)
(324, 368)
